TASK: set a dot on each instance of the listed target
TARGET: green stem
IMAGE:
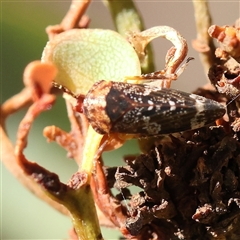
(81, 206)
(91, 147)
(78, 199)
(127, 19)
(84, 217)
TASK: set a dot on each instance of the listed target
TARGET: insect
(118, 107)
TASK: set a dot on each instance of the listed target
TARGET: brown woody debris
(228, 37)
(188, 185)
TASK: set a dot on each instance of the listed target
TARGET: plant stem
(204, 43)
(93, 140)
(127, 19)
(84, 217)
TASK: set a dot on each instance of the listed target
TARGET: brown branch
(9, 158)
(204, 43)
(109, 206)
(73, 19)
(73, 141)
(15, 103)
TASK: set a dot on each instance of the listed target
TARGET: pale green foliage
(85, 56)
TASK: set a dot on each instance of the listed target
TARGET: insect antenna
(233, 99)
(124, 199)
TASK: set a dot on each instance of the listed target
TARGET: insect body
(145, 110)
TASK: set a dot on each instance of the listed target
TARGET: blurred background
(23, 38)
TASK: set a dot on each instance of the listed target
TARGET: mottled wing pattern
(145, 110)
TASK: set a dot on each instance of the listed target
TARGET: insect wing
(146, 110)
(151, 111)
